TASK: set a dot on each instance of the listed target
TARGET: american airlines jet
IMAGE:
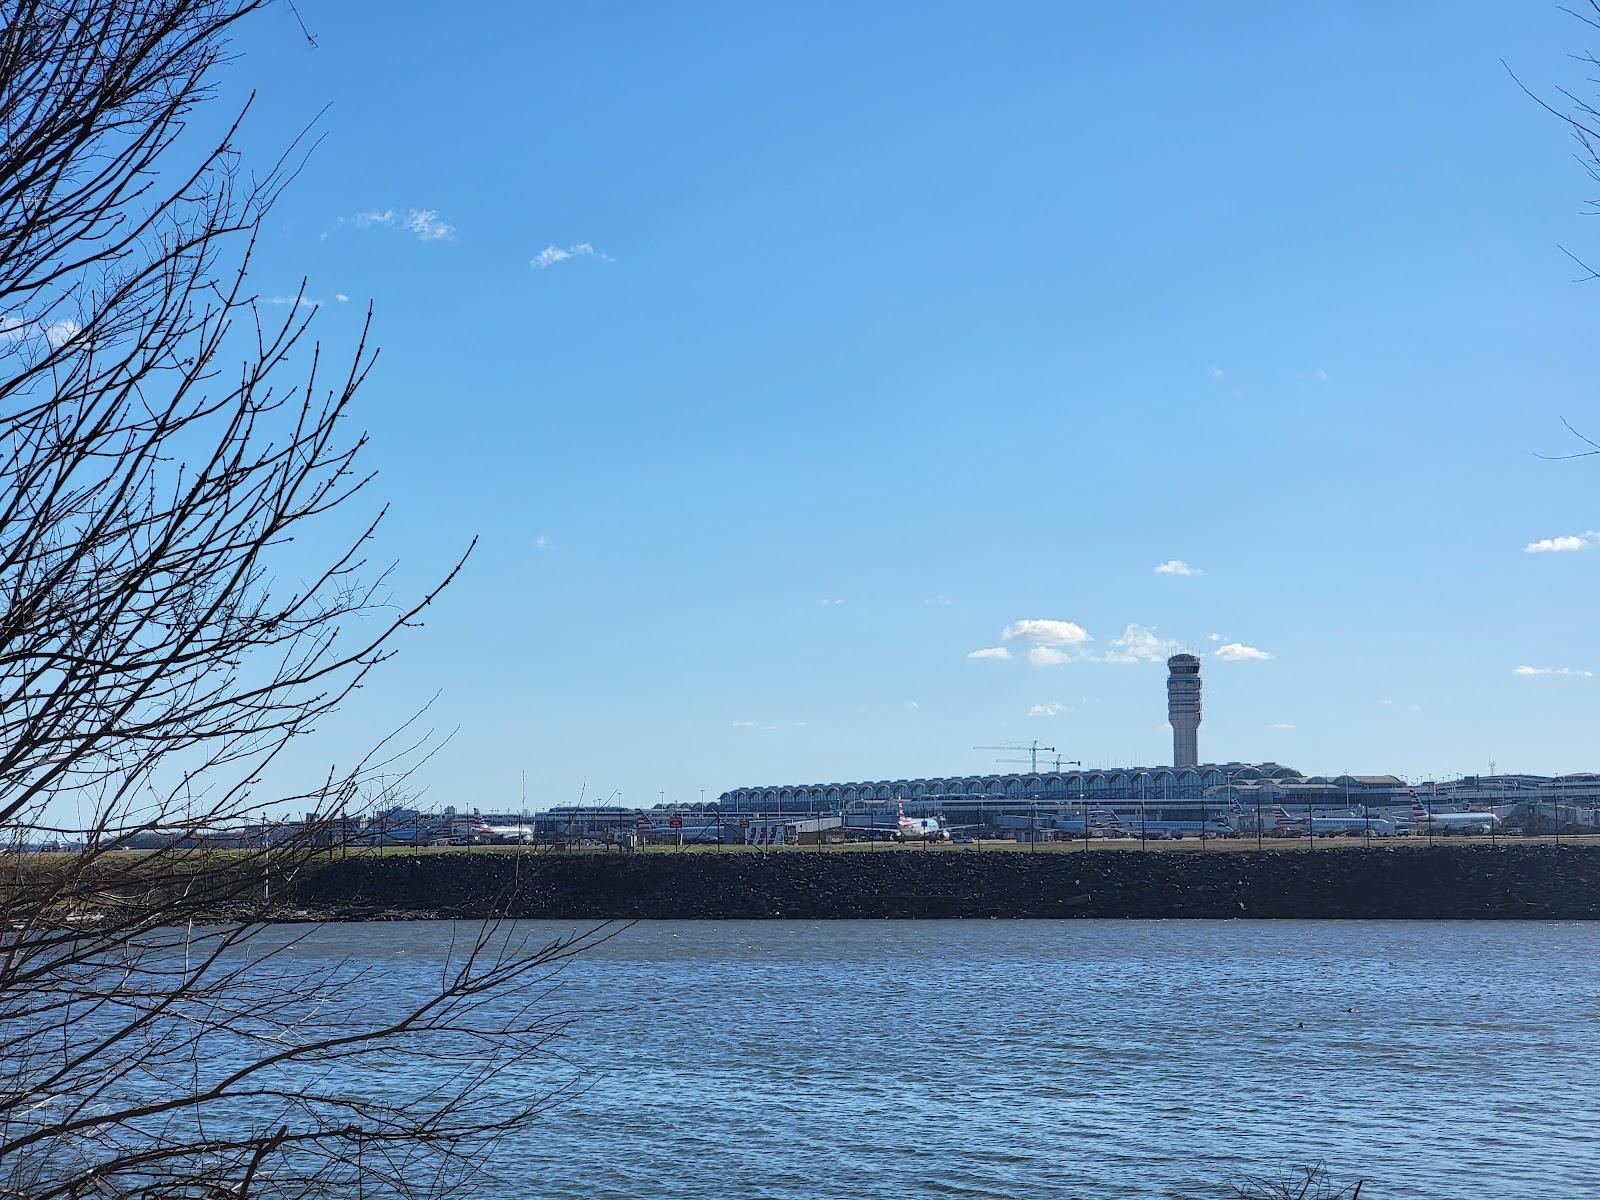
(484, 831)
(1140, 825)
(1453, 822)
(1355, 823)
(917, 829)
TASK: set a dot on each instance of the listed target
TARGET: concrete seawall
(1541, 881)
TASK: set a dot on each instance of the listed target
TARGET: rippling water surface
(1057, 1059)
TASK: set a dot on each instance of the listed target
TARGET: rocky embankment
(1541, 881)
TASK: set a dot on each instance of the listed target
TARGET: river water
(797, 1060)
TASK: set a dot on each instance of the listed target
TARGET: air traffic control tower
(1183, 708)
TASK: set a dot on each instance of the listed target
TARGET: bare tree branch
(171, 453)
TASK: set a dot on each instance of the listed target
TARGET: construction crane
(1032, 749)
(1071, 762)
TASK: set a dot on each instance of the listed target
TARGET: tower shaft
(1183, 708)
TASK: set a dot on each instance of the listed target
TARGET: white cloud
(1214, 637)
(425, 223)
(830, 603)
(341, 298)
(551, 255)
(913, 705)
(938, 601)
(1137, 643)
(1281, 725)
(542, 542)
(297, 301)
(1176, 566)
(1046, 656)
(996, 652)
(744, 724)
(1217, 372)
(1575, 671)
(1047, 633)
(1564, 544)
(1047, 710)
(1239, 652)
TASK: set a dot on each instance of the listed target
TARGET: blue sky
(782, 357)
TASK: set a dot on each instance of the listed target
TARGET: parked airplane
(917, 829)
(1353, 823)
(1453, 822)
(484, 831)
(1101, 820)
(899, 828)
(1140, 824)
(1212, 827)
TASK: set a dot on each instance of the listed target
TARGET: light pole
(1433, 790)
(1073, 762)
(1494, 837)
(1143, 775)
(1258, 806)
(1561, 788)
(1083, 803)
(1366, 819)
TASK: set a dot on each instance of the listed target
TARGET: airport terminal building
(1188, 789)
(972, 797)
(1210, 788)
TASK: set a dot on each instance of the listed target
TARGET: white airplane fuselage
(1456, 820)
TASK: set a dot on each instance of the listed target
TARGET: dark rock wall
(1542, 881)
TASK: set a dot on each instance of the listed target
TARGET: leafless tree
(156, 462)
(1582, 119)
(1303, 1183)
